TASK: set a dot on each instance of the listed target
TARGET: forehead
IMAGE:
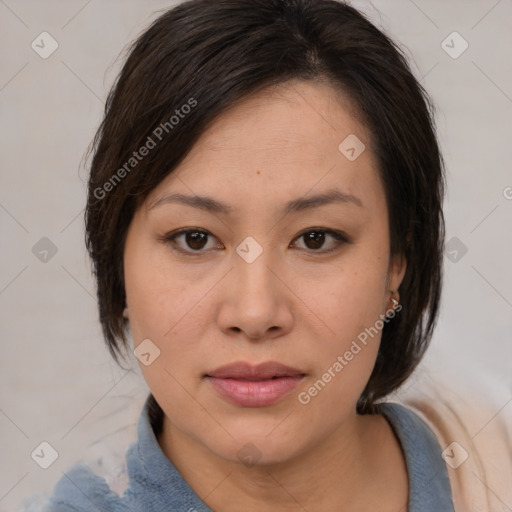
(284, 138)
(309, 117)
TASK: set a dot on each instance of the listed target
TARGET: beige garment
(474, 429)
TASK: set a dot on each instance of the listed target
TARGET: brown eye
(191, 240)
(196, 240)
(315, 239)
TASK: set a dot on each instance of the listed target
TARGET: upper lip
(243, 370)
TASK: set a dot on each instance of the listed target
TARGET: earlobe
(125, 313)
(395, 300)
(395, 306)
(396, 275)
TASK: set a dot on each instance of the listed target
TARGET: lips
(254, 386)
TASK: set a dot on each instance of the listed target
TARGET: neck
(343, 468)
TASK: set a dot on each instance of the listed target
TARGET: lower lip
(250, 393)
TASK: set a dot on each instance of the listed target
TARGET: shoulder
(429, 486)
(474, 430)
(100, 480)
(81, 490)
(145, 481)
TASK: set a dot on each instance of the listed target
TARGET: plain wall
(58, 382)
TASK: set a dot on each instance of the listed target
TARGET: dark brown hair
(209, 55)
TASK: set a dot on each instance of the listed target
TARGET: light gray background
(58, 383)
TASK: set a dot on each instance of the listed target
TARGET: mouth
(254, 386)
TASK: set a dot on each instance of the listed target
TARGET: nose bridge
(252, 264)
(255, 303)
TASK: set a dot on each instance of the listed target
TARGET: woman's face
(266, 276)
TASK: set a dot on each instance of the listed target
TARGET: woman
(264, 219)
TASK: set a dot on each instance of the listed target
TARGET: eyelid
(339, 236)
(168, 238)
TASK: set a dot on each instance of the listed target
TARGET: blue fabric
(156, 485)
(429, 486)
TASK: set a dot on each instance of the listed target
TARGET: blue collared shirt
(155, 485)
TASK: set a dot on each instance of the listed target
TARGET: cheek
(347, 296)
(154, 293)
(348, 303)
(344, 360)
(168, 307)
(160, 307)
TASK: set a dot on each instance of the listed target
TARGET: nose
(254, 300)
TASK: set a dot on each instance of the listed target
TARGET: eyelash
(170, 238)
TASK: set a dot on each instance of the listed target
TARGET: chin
(257, 449)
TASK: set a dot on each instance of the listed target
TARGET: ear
(396, 272)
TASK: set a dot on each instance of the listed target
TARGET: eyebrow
(297, 205)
